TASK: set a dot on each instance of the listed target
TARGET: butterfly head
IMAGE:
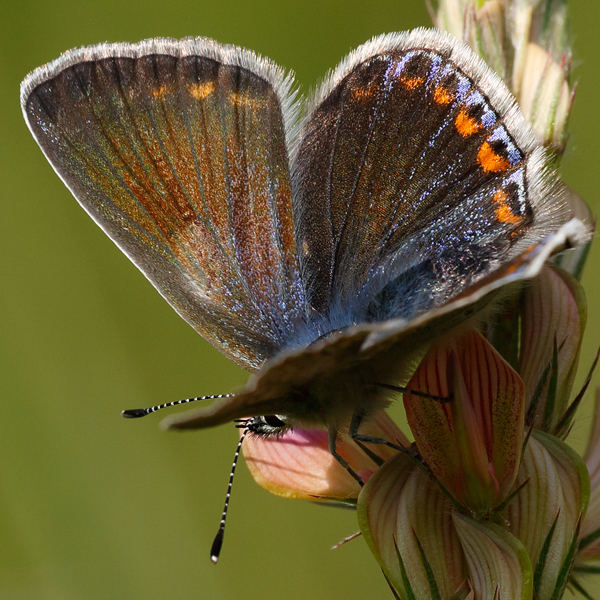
(267, 425)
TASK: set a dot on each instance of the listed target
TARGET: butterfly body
(319, 246)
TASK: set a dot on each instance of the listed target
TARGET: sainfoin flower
(489, 501)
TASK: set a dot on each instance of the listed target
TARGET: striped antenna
(134, 413)
(215, 550)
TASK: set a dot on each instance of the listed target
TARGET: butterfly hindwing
(178, 150)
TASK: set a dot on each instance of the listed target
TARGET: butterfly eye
(267, 425)
(274, 421)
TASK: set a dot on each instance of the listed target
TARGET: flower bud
(471, 443)
(526, 43)
(553, 318)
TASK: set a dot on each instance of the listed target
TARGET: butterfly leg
(339, 458)
(362, 438)
(404, 390)
(369, 439)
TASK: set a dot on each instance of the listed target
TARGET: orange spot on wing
(364, 93)
(411, 82)
(490, 161)
(466, 125)
(161, 91)
(201, 90)
(503, 213)
(442, 96)
(244, 99)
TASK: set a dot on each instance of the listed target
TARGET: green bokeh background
(96, 507)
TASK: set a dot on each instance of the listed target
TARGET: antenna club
(215, 550)
(134, 413)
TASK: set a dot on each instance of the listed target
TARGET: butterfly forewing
(414, 179)
(178, 151)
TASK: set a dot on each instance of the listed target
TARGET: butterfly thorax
(329, 401)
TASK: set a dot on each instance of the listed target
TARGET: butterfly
(320, 244)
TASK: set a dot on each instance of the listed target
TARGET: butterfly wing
(416, 176)
(178, 150)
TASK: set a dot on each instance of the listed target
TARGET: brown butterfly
(321, 245)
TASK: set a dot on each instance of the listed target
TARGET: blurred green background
(93, 506)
